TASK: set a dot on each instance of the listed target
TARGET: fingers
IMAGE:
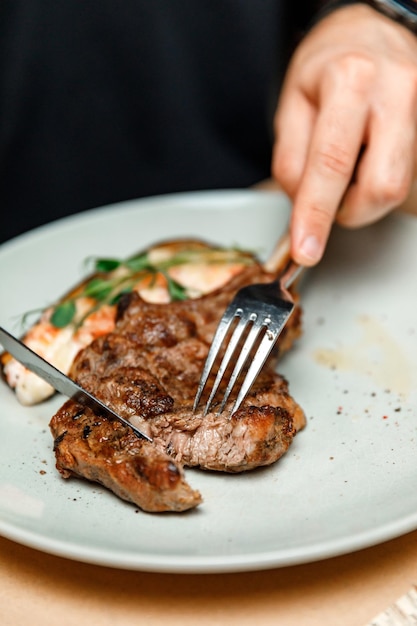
(293, 128)
(318, 148)
(332, 153)
(386, 170)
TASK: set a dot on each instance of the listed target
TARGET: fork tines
(258, 315)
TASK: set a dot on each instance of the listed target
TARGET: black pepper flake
(86, 431)
(78, 414)
(58, 439)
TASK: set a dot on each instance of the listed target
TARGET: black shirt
(106, 100)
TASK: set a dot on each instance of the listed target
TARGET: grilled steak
(147, 370)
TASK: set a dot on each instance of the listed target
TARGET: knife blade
(58, 380)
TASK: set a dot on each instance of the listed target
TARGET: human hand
(346, 125)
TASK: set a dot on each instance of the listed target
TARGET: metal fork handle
(290, 273)
(280, 252)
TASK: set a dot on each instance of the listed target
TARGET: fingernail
(310, 250)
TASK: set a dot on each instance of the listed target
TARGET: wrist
(401, 11)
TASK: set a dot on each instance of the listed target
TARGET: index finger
(334, 148)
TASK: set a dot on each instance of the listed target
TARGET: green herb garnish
(63, 314)
(116, 277)
(175, 290)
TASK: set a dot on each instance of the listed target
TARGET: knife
(58, 380)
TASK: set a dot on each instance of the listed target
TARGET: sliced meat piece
(104, 451)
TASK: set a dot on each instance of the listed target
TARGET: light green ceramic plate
(348, 481)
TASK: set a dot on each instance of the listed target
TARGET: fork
(259, 312)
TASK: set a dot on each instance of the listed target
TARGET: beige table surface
(38, 589)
